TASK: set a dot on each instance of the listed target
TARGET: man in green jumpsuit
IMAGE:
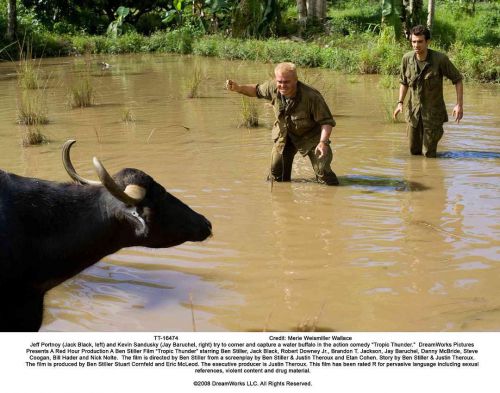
(303, 123)
(422, 72)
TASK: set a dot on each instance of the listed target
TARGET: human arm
(458, 110)
(452, 73)
(324, 141)
(403, 89)
(247, 90)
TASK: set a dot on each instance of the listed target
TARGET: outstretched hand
(231, 85)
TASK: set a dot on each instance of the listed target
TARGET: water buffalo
(51, 231)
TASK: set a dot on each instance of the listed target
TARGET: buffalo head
(133, 198)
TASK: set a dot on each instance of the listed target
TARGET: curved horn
(69, 166)
(131, 196)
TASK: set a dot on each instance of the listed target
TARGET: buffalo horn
(69, 166)
(132, 195)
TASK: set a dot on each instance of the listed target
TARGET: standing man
(422, 72)
(303, 123)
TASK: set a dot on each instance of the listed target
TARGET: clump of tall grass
(197, 77)
(32, 109)
(249, 113)
(81, 93)
(28, 75)
(28, 72)
(32, 136)
(128, 116)
(388, 106)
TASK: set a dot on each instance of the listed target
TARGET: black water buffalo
(51, 231)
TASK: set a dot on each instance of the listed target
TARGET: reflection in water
(405, 243)
(381, 184)
(469, 154)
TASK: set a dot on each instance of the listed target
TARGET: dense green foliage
(351, 40)
(481, 28)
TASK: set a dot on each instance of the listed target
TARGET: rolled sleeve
(450, 71)
(403, 80)
(266, 90)
(321, 112)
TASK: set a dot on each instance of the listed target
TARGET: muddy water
(404, 244)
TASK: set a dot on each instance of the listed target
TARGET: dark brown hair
(421, 30)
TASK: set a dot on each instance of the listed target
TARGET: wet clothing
(282, 160)
(298, 129)
(424, 140)
(425, 109)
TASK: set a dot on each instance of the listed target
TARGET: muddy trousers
(424, 140)
(281, 164)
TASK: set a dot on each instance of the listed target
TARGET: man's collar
(428, 58)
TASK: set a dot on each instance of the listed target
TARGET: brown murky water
(404, 244)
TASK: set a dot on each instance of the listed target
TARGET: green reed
(32, 108)
(28, 71)
(81, 93)
(197, 77)
(128, 116)
(249, 113)
(32, 136)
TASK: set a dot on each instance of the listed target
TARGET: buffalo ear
(112, 187)
(136, 192)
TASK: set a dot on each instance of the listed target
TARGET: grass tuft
(249, 113)
(128, 116)
(28, 72)
(197, 77)
(32, 109)
(32, 136)
(27, 75)
(81, 94)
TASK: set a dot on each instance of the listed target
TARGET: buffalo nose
(209, 225)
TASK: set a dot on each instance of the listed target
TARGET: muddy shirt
(425, 86)
(299, 117)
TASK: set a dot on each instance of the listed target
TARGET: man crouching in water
(303, 123)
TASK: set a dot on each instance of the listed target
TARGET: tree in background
(311, 10)
(11, 21)
(412, 15)
(430, 14)
(91, 16)
(401, 15)
(256, 18)
(117, 27)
